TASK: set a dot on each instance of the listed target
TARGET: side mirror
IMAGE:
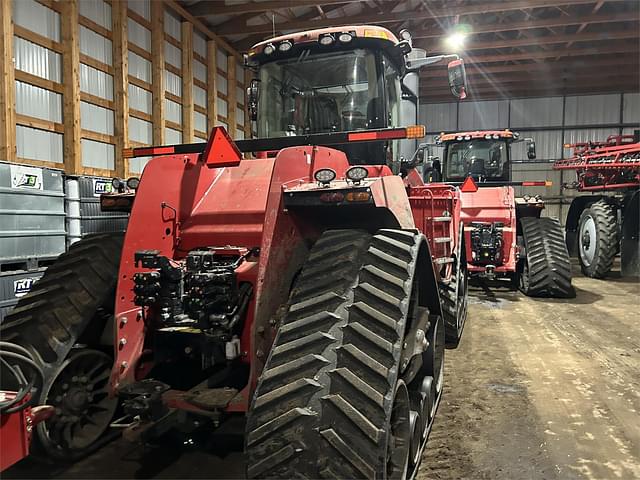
(531, 148)
(418, 156)
(457, 78)
(253, 94)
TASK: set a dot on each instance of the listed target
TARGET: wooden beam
(215, 7)
(187, 82)
(479, 8)
(212, 80)
(120, 85)
(231, 95)
(7, 85)
(157, 71)
(71, 81)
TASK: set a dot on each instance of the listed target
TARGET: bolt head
(123, 365)
(122, 342)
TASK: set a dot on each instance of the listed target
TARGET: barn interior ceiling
(511, 48)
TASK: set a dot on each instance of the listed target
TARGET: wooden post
(187, 82)
(212, 84)
(157, 61)
(121, 84)
(71, 81)
(232, 101)
(7, 85)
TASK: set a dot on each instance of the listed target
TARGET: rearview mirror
(531, 148)
(457, 78)
(253, 93)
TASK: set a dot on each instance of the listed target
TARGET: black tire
(454, 297)
(598, 239)
(69, 305)
(546, 269)
(331, 390)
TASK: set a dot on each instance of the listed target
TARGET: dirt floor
(538, 389)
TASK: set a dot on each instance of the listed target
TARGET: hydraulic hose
(17, 361)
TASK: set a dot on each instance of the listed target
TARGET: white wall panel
(96, 82)
(139, 67)
(631, 108)
(240, 116)
(536, 172)
(548, 146)
(95, 45)
(172, 55)
(199, 71)
(221, 60)
(220, 123)
(98, 154)
(37, 60)
(199, 44)
(172, 83)
(222, 84)
(239, 134)
(172, 25)
(484, 115)
(38, 144)
(592, 109)
(139, 35)
(38, 102)
(136, 165)
(200, 121)
(140, 131)
(97, 11)
(586, 135)
(240, 95)
(173, 111)
(222, 107)
(140, 99)
(141, 7)
(172, 136)
(96, 119)
(439, 116)
(199, 96)
(36, 17)
(536, 112)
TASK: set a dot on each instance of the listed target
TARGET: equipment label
(21, 287)
(26, 177)
(101, 186)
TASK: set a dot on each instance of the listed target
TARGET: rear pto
(505, 237)
(313, 291)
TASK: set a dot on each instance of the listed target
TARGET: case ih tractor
(606, 222)
(505, 236)
(312, 291)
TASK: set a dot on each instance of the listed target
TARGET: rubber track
(324, 398)
(52, 316)
(606, 220)
(547, 257)
(449, 301)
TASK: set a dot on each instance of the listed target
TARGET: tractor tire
(454, 298)
(61, 321)
(598, 239)
(546, 269)
(331, 401)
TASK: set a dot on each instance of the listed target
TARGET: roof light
(324, 176)
(357, 174)
(467, 137)
(326, 39)
(487, 136)
(269, 49)
(285, 46)
(345, 37)
(496, 136)
(459, 137)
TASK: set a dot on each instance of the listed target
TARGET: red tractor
(304, 291)
(605, 222)
(505, 236)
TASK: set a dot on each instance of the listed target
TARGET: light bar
(546, 183)
(413, 131)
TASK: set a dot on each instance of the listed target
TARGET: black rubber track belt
(549, 266)
(323, 403)
(55, 313)
(606, 221)
(449, 301)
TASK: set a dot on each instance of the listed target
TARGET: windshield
(482, 159)
(320, 93)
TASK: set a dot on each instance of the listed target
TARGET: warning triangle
(469, 185)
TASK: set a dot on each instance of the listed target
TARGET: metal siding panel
(586, 135)
(173, 83)
(200, 121)
(221, 60)
(39, 144)
(38, 102)
(536, 112)
(139, 67)
(140, 131)
(439, 116)
(548, 146)
(140, 99)
(36, 17)
(136, 165)
(141, 7)
(199, 71)
(172, 25)
(199, 44)
(484, 115)
(536, 172)
(37, 60)
(96, 82)
(96, 119)
(173, 111)
(95, 45)
(173, 55)
(96, 10)
(631, 108)
(199, 96)
(97, 154)
(172, 136)
(592, 109)
(222, 84)
(139, 35)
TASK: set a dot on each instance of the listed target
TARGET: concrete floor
(538, 389)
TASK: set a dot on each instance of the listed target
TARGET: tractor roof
(448, 137)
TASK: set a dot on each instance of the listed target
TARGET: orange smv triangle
(221, 151)
(469, 185)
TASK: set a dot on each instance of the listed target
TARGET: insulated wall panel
(172, 55)
(97, 154)
(222, 107)
(631, 108)
(139, 35)
(136, 165)
(172, 136)
(548, 146)
(95, 46)
(200, 121)
(221, 60)
(97, 11)
(172, 25)
(536, 172)
(36, 17)
(536, 112)
(96, 119)
(439, 116)
(96, 82)
(199, 44)
(222, 84)
(173, 83)
(200, 96)
(141, 7)
(173, 111)
(199, 71)
(140, 131)
(139, 67)
(484, 115)
(38, 144)
(36, 60)
(140, 99)
(38, 102)
(592, 109)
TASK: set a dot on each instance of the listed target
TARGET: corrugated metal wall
(551, 122)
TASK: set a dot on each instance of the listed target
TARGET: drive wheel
(332, 401)
(597, 239)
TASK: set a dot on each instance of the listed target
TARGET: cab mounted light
(345, 37)
(326, 39)
(269, 49)
(357, 174)
(285, 46)
(324, 176)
